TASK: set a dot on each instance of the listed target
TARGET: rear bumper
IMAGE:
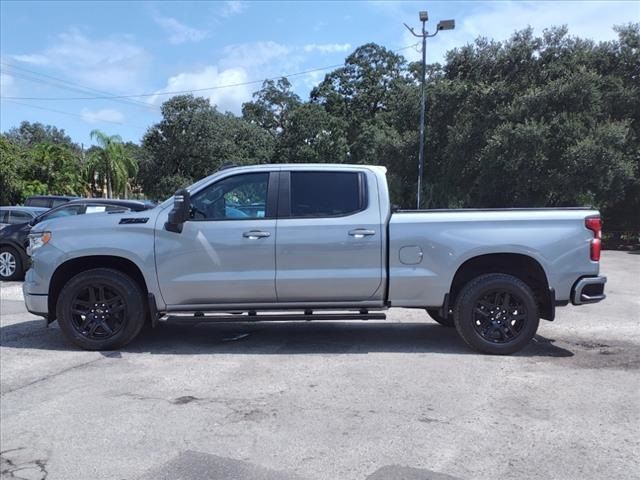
(588, 290)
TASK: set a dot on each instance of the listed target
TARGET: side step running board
(269, 317)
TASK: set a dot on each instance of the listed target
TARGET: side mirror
(180, 211)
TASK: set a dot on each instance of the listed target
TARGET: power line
(71, 114)
(68, 85)
(148, 108)
(178, 92)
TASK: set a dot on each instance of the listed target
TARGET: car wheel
(10, 264)
(444, 321)
(496, 314)
(101, 309)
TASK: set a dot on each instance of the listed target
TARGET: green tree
(52, 169)
(365, 85)
(193, 140)
(10, 158)
(271, 106)
(110, 166)
(311, 135)
(535, 121)
(29, 134)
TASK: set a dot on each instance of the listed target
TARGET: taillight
(595, 225)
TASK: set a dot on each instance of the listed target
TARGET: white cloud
(112, 62)
(327, 47)
(498, 20)
(226, 99)
(105, 115)
(240, 63)
(232, 7)
(179, 32)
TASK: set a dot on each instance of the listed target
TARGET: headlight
(37, 240)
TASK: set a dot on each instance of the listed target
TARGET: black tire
(10, 254)
(444, 321)
(496, 314)
(113, 309)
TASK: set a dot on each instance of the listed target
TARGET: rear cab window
(326, 194)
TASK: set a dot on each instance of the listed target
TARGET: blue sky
(86, 49)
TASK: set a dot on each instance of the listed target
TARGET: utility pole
(442, 25)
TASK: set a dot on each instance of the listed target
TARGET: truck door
(226, 252)
(329, 242)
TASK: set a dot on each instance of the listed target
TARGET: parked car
(48, 201)
(14, 238)
(17, 215)
(327, 240)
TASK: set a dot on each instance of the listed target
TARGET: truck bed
(427, 247)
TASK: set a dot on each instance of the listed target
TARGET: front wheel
(496, 314)
(101, 309)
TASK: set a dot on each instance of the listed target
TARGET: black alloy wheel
(499, 316)
(101, 309)
(97, 312)
(496, 313)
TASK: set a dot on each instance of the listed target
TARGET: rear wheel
(496, 314)
(444, 321)
(101, 309)
(10, 264)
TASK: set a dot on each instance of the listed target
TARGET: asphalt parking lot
(398, 399)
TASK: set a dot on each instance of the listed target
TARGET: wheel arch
(521, 266)
(74, 266)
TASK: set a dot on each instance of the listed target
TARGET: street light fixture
(442, 25)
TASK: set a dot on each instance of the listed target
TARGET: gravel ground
(399, 399)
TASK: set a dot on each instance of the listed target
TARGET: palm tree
(109, 165)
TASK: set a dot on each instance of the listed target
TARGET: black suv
(14, 239)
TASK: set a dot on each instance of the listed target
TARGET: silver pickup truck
(311, 242)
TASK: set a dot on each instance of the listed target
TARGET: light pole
(442, 25)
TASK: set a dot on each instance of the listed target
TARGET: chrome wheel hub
(7, 264)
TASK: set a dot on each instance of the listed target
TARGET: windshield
(65, 211)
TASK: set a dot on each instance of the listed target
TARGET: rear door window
(326, 194)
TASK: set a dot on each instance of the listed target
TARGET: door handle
(255, 234)
(361, 232)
